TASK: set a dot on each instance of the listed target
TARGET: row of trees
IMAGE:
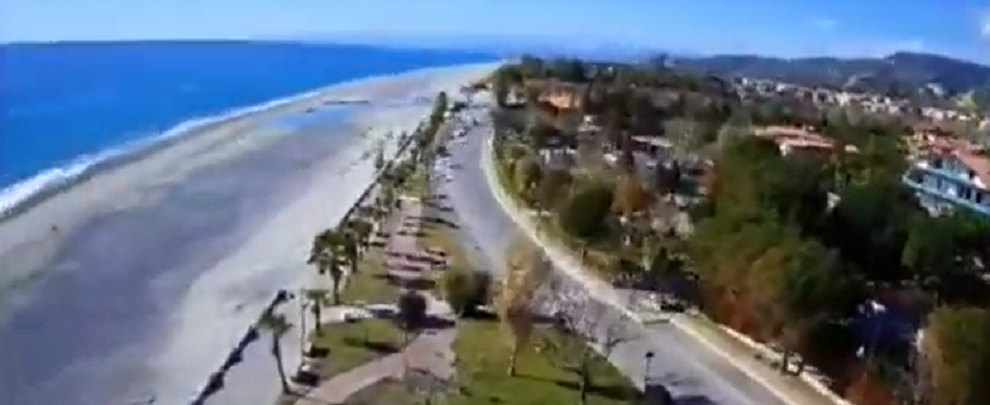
(776, 261)
(536, 309)
(337, 252)
(774, 257)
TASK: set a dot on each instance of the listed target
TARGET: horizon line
(314, 39)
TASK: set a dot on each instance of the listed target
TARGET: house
(950, 175)
(799, 140)
(655, 147)
(558, 158)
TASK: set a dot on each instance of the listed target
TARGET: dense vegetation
(805, 252)
(902, 74)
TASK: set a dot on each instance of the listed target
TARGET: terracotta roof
(798, 138)
(979, 164)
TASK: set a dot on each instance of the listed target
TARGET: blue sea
(65, 107)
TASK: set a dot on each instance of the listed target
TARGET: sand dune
(136, 282)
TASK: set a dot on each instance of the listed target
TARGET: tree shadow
(375, 346)
(480, 314)
(613, 392)
(694, 400)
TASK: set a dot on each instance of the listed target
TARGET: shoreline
(251, 333)
(171, 257)
(93, 164)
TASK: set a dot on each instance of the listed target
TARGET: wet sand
(135, 283)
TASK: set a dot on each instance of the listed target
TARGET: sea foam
(21, 195)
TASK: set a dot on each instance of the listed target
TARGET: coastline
(181, 249)
(23, 195)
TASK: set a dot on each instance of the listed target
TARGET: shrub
(412, 311)
(585, 212)
(466, 290)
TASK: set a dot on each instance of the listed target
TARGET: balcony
(952, 175)
(944, 196)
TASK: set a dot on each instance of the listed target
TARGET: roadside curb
(600, 290)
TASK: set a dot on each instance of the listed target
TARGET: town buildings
(949, 173)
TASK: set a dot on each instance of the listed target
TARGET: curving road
(692, 372)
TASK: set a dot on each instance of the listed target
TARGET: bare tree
(527, 269)
(584, 328)
(683, 135)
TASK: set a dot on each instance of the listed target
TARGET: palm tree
(318, 298)
(350, 249)
(276, 325)
(362, 231)
(325, 255)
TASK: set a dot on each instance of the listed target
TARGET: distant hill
(924, 76)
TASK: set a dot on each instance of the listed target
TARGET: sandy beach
(135, 283)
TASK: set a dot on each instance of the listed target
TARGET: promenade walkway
(428, 353)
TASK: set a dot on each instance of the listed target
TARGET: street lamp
(646, 368)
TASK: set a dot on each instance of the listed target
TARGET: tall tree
(526, 271)
(553, 188)
(276, 325)
(413, 308)
(585, 213)
(317, 298)
(629, 196)
(957, 349)
(362, 231)
(581, 326)
(527, 173)
(326, 255)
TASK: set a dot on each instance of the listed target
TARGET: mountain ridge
(926, 76)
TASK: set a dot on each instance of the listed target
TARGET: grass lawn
(482, 364)
(369, 284)
(444, 237)
(417, 185)
(354, 344)
(387, 392)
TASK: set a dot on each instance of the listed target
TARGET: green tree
(317, 298)
(362, 231)
(529, 67)
(585, 213)
(629, 197)
(527, 173)
(795, 286)
(276, 326)
(412, 312)
(326, 255)
(540, 134)
(569, 70)
(350, 248)
(465, 289)
(957, 349)
(553, 188)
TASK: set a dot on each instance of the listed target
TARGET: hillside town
(847, 231)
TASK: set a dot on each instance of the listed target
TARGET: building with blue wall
(950, 179)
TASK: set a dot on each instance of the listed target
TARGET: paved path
(429, 353)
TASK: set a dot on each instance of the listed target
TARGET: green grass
(483, 360)
(444, 237)
(354, 344)
(386, 392)
(418, 184)
(369, 284)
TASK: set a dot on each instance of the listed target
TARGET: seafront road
(693, 372)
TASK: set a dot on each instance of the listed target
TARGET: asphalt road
(692, 372)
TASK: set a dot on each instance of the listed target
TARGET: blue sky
(778, 27)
